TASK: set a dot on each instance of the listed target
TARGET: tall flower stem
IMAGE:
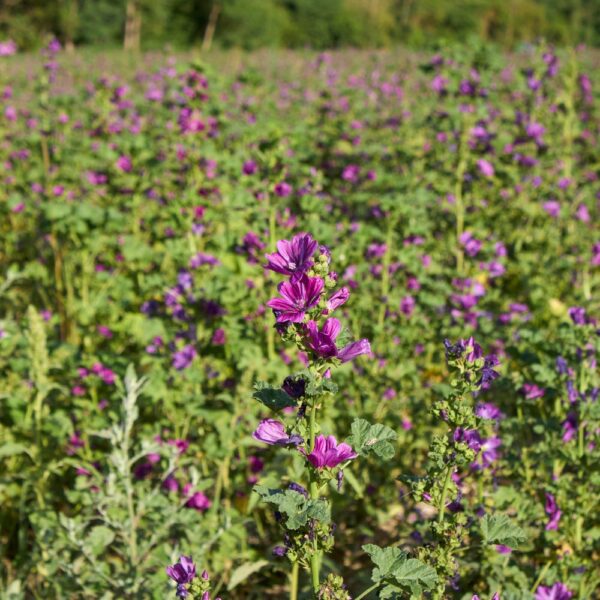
(315, 559)
(294, 581)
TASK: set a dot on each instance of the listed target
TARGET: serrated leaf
(416, 575)
(297, 508)
(273, 398)
(393, 564)
(384, 559)
(499, 529)
(372, 439)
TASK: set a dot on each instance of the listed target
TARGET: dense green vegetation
(299, 23)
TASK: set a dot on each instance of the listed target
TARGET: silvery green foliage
(111, 546)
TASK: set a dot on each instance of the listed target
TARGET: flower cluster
(189, 585)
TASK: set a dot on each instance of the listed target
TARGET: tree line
(316, 24)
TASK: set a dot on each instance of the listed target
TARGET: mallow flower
(328, 453)
(182, 572)
(272, 432)
(293, 257)
(322, 342)
(296, 298)
(558, 591)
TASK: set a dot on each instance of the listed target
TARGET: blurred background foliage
(318, 24)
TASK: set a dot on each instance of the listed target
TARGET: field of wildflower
(299, 325)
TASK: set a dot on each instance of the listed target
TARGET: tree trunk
(133, 26)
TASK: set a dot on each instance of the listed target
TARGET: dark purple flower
(272, 432)
(328, 453)
(297, 298)
(294, 387)
(552, 511)
(293, 257)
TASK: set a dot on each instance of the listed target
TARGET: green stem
(540, 577)
(368, 591)
(294, 581)
(442, 507)
(315, 559)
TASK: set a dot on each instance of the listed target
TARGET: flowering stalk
(303, 312)
(462, 446)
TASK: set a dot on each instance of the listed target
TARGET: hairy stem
(442, 507)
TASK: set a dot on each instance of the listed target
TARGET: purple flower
(485, 168)
(297, 298)
(272, 432)
(183, 571)
(350, 173)
(283, 189)
(470, 437)
(338, 299)
(196, 500)
(488, 411)
(322, 342)
(124, 164)
(184, 357)
(577, 314)
(531, 391)
(293, 257)
(8, 48)
(407, 305)
(559, 591)
(552, 511)
(471, 245)
(351, 351)
(249, 167)
(569, 427)
(552, 207)
(328, 453)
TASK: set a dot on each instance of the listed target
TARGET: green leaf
(376, 439)
(297, 508)
(98, 538)
(416, 575)
(499, 529)
(12, 448)
(244, 571)
(393, 563)
(273, 398)
(386, 560)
